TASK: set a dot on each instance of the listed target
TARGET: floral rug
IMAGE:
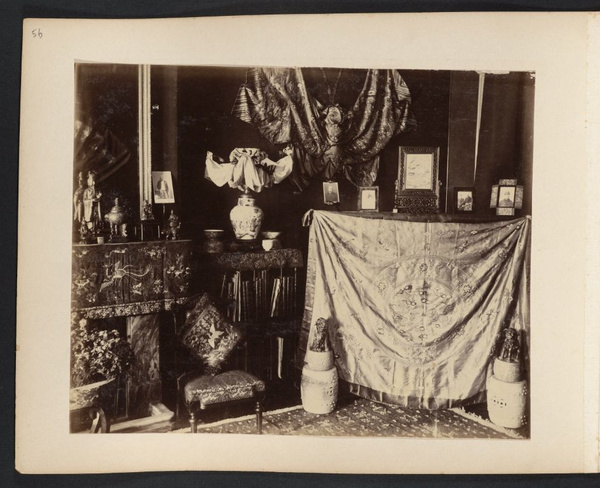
(361, 417)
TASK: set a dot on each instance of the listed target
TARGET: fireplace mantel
(127, 279)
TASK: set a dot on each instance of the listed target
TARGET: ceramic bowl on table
(270, 240)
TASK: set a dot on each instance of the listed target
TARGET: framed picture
(331, 192)
(162, 187)
(368, 199)
(417, 187)
(464, 200)
(506, 196)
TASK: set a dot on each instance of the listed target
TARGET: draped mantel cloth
(326, 139)
(414, 309)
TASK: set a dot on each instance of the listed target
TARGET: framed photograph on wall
(417, 187)
(506, 196)
(162, 187)
(464, 200)
(368, 199)
(331, 192)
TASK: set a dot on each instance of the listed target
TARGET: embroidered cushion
(224, 387)
(209, 334)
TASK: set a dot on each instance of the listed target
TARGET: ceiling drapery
(327, 139)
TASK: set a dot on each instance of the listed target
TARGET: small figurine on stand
(320, 342)
(510, 345)
(78, 200)
(174, 226)
(91, 207)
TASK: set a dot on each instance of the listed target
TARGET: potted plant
(100, 361)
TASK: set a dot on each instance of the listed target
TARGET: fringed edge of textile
(487, 423)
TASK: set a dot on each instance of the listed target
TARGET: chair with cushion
(208, 338)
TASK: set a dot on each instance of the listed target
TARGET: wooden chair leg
(193, 423)
(258, 417)
(100, 421)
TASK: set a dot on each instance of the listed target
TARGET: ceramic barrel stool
(319, 384)
(507, 395)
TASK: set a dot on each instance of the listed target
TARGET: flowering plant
(97, 354)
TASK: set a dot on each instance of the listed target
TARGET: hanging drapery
(326, 139)
(414, 308)
(248, 169)
(98, 149)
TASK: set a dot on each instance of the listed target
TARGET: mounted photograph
(200, 303)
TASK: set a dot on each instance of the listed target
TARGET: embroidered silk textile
(414, 308)
(326, 139)
(249, 169)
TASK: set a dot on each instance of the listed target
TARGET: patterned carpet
(360, 417)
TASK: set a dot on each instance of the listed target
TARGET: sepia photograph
(464, 199)
(331, 193)
(321, 263)
(368, 198)
(208, 329)
(162, 182)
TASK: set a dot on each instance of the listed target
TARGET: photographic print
(464, 199)
(331, 192)
(361, 328)
(506, 197)
(368, 199)
(162, 184)
(323, 362)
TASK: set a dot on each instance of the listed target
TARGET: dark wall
(107, 99)
(205, 99)
(506, 135)
(191, 114)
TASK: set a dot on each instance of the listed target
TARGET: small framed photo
(331, 192)
(464, 200)
(368, 199)
(162, 187)
(506, 196)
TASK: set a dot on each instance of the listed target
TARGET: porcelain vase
(246, 218)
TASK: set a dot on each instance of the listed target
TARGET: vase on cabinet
(246, 218)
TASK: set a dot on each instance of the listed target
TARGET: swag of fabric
(248, 169)
(326, 139)
(98, 149)
(414, 309)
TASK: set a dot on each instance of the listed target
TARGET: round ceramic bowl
(270, 234)
(213, 233)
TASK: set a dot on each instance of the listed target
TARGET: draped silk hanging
(327, 139)
(414, 308)
(248, 169)
(98, 149)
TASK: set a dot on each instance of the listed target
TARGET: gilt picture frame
(417, 186)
